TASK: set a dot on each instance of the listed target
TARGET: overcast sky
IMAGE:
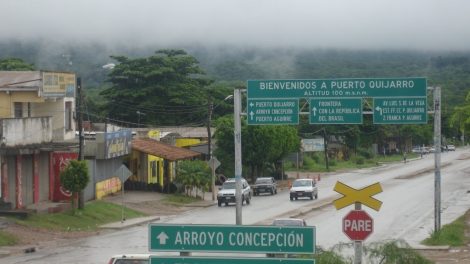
(351, 24)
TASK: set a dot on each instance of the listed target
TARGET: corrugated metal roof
(163, 150)
(187, 132)
(20, 79)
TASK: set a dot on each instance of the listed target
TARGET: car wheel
(248, 200)
(311, 196)
(275, 191)
(243, 199)
(296, 198)
(219, 203)
(316, 196)
(292, 198)
(271, 191)
(226, 203)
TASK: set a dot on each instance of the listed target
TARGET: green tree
(75, 178)
(168, 87)
(262, 146)
(194, 175)
(461, 116)
(15, 64)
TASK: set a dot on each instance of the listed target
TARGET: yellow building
(153, 163)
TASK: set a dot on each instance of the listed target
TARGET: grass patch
(179, 199)
(94, 214)
(7, 239)
(452, 234)
(316, 163)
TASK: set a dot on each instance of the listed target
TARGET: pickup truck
(226, 193)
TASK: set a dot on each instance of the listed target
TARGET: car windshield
(301, 183)
(263, 181)
(228, 185)
(288, 222)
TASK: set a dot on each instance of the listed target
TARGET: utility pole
(81, 198)
(209, 146)
(437, 159)
(237, 107)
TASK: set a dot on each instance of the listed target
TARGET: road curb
(130, 222)
(423, 247)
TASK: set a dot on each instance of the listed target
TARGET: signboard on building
(58, 84)
(117, 143)
(60, 160)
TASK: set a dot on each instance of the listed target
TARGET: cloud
(350, 24)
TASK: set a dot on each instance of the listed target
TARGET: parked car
(130, 259)
(450, 147)
(265, 185)
(303, 188)
(226, 193)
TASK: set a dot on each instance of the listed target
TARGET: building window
(68, 115)
(18, 110)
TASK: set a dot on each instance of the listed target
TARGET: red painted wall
(59, 162)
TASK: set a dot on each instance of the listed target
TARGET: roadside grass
(316, 162)
(7, 239)
(452, 234)
(94, 214)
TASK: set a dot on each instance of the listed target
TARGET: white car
(130, 259)
(450, 147)
(226, 193)
(303, 188)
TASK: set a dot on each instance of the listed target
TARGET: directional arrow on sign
(162, 237)
(378, 108)
(251, 115)
(363, 196)
(314, 111)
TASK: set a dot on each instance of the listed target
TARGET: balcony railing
(25, 131)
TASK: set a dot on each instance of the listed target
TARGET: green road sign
(226, 260)
(400, 110)
(273, 111)
(335, 111)
(381, 87)
(232, 238)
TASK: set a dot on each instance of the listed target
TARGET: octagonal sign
(358, 225)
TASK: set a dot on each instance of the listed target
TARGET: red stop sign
(358, 225)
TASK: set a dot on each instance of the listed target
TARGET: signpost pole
(437, 159)
(357, 244)
(122, 191)
(238, 154)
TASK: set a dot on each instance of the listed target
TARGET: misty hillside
(450, 70)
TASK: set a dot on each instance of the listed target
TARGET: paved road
(407, 211)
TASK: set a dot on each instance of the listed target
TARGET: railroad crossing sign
(363, 196)
(358, 225)
(225, 260)
(232, 238)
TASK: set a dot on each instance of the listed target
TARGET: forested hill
(450, 70)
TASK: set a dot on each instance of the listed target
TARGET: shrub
(360, 160)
